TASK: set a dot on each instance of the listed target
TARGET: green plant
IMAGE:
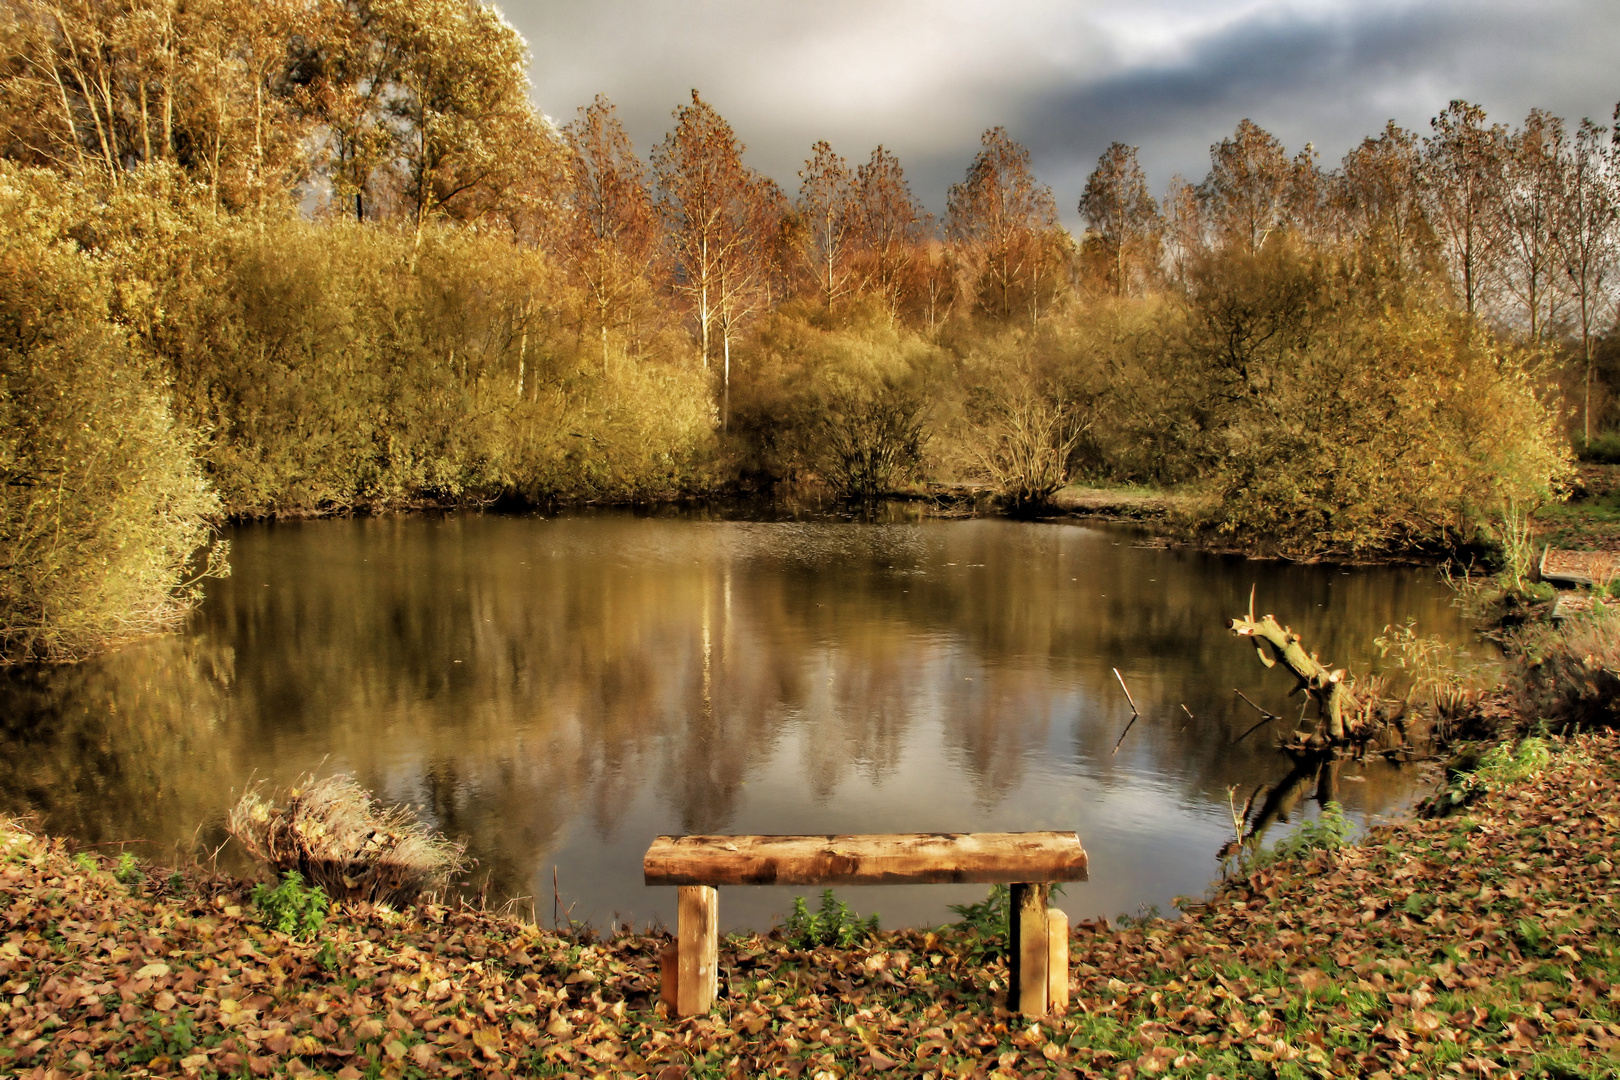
(834, 924)
(1431, 666)
(1329, 832)
(988, 917)
(327, 957)
(1602, 449)
(170, 1037)
(126, 872)
(1505, 763)
(85, 861)
(292, 907)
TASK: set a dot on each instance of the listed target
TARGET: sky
(925, 78)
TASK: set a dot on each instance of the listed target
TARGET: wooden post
(1057, 960)
(669, 977)
(1027, 949)
(698, 934)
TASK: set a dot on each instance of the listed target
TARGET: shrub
(337, 837)
(1329, 832)
(985, 924)
(102, 508)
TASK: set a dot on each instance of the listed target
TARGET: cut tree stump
(1029, 862)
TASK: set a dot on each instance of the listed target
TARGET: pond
(559, 690)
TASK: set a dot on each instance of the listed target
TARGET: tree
(102, 502)
(100, 88)
(719, 222)
(1528, 221)
(1380, 197)
(1462, 165)
(1123, 217)
(1186, 233)
(1251, 187)
(612, 231)
(888, 225)
(1589, 239)
(1001, 218)
(826, 208)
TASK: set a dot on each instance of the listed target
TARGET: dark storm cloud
(1066, 77)
(1330, 80)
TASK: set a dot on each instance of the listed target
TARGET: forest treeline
(309, 256)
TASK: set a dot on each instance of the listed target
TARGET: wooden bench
(1038, 937)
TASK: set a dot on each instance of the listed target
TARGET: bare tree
(1380, 198)
(888, 226)
(1251, 187)
(826, 208)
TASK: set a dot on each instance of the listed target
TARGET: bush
(1327, 407)
(845, 399)
(334, 835)
(102, 508)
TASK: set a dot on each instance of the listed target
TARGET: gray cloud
(926, 77)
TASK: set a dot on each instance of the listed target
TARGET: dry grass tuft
(1570, 674)
(338, 837)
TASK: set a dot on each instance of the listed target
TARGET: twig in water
(1127, 690)
(1127, 731)
(1188, 711)
(1256, 708)
(556, 900)
(1264, 720)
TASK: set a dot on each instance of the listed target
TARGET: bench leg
(1057, 961)
(697, 960)
(1028, 948)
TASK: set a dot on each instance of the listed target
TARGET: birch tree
(1528, 218)
(826, 206)
(888, 227)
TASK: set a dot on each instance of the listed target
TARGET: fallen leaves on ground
(1480, 945)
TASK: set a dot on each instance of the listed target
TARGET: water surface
(558, 691)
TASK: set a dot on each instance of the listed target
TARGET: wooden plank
(1027, 948)
(882, 859)
(698, 934)
(1057, 961)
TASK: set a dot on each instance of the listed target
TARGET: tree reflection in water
(558, 691)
